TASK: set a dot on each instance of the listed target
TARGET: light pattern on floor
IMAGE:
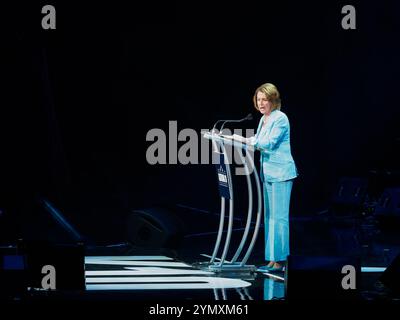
(151, 273)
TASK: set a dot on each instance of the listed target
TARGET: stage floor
(162, 277)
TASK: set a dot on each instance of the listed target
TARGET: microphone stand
(248, 117)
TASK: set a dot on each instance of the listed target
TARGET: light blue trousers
(276, 219)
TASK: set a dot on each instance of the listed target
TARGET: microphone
(248, 117)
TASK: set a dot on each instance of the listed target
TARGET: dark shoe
(280, 269)
(264, 268)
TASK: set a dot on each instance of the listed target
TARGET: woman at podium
(277, 172)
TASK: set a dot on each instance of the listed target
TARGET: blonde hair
(272, 93)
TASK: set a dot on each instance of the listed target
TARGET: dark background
(78, 101)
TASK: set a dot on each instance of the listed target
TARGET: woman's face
(263, 104)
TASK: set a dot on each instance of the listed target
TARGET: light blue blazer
(273, 141)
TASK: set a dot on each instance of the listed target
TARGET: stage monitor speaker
(389, 203)
(387, 209)
(320, 278)
(13, 275)
(154, 228)
(350, 191)
(391, 277)
(68, 261)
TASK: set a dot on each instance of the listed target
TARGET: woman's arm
(269, 142)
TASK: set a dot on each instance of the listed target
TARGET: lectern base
(225, 268)
(232, 268)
